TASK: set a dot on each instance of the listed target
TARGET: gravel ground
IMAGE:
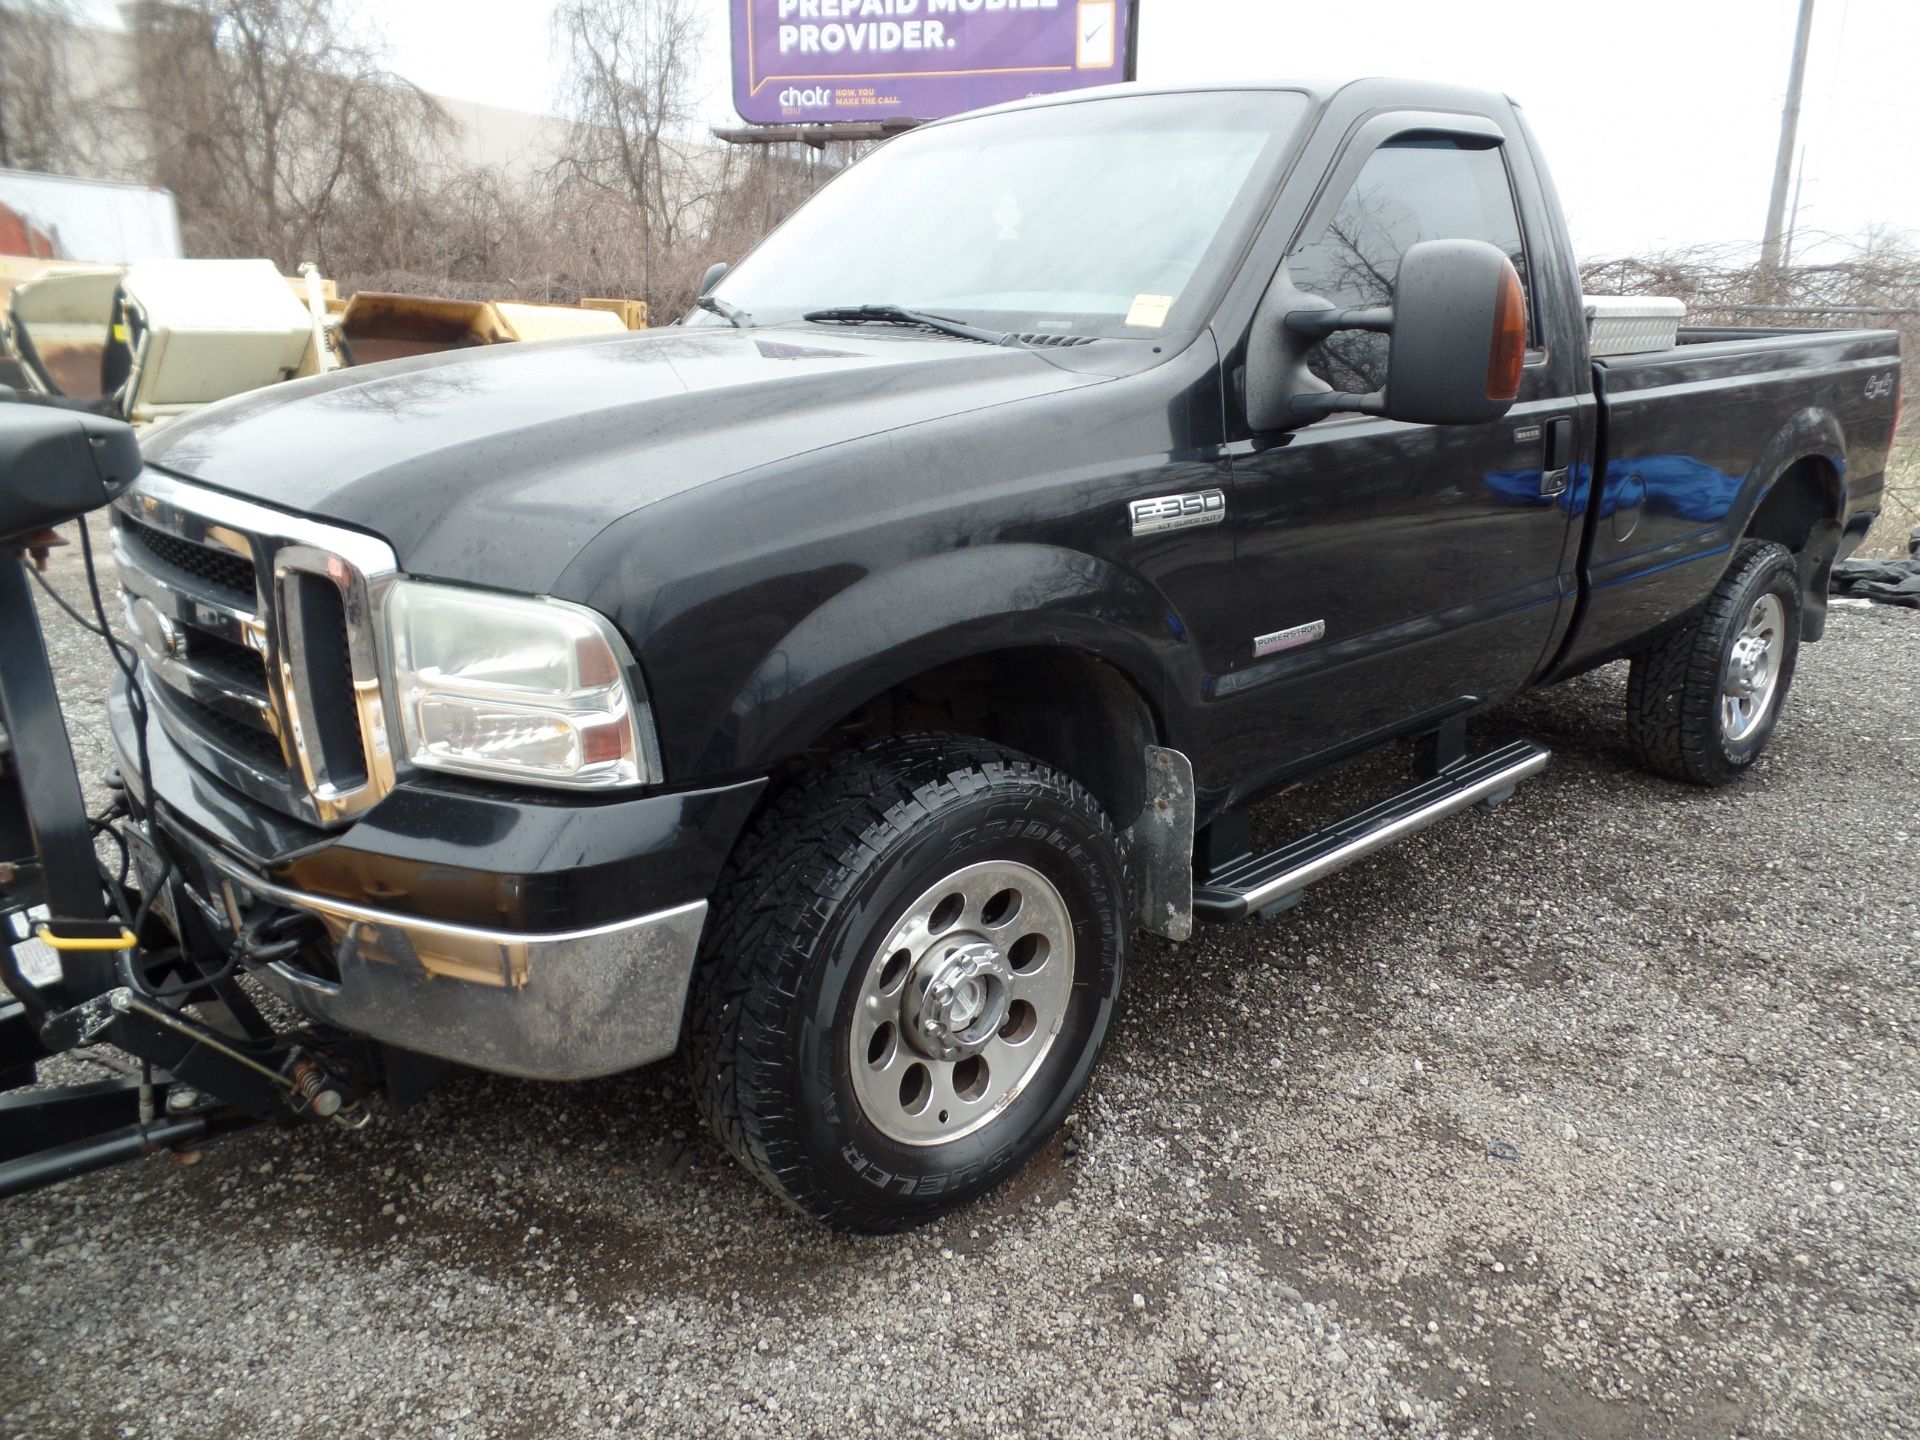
(1591, 1117)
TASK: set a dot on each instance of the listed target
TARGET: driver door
(1394, 573)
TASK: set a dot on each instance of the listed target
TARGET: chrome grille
(255, 744)
(228, 574)
(235, 663)
(256, 633)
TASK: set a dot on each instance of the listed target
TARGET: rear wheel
(1702, 704)
(910, 973)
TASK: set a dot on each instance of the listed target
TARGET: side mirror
(716, 272)
(56, 464)
(1458, 341)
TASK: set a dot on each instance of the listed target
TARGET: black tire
(1676, 689)
(815, 887)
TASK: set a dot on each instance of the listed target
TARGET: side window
(1410, 190)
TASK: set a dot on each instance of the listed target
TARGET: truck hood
(496, 465)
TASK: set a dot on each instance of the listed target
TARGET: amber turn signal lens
(1509, 352)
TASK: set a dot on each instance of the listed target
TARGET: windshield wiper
(727, 311)
(897, 315)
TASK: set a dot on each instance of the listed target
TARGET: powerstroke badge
(1177, 512)
(1286, 639)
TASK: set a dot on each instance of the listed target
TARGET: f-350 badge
(1177, 512)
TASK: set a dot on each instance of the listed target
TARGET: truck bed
(1691, 439)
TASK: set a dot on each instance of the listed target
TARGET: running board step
(1272, 882)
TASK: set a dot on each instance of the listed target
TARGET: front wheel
(912, 967)
(1702, 704)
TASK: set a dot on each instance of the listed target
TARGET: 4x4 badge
(1177, 512)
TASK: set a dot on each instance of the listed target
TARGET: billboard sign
(816, 62)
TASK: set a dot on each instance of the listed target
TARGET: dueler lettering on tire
(912, 967)
(1702, 703)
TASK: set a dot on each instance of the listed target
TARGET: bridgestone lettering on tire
(1702, 704)
(900, 909)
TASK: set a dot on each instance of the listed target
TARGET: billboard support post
(818, 136)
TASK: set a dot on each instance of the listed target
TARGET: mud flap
(1159, 847)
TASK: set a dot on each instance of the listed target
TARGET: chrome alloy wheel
(961, 1003)
(1753, 670)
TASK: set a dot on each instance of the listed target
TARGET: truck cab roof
(1368, 92)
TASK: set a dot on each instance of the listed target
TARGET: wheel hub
(957, 998)
(1753, 670)
(1747, 666)
(960, 1002)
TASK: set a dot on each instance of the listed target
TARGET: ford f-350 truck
(828, 687)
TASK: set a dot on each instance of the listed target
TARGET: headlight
(512, 688)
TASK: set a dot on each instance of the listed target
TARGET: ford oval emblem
(159, 636)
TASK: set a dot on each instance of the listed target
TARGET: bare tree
(1871, 280)
(41, 121)
(758, 186)
(280, 134)
(627, 86)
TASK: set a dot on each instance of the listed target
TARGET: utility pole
(1793, 224)
(1789, 131)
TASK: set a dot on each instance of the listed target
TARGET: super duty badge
(1177, 512)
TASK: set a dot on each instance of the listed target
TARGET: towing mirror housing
(1458, 338)
(1459, 335)
(56, 464)
(716, 272)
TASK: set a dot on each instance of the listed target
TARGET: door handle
(1556, 466)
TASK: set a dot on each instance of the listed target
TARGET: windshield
(1108, 218)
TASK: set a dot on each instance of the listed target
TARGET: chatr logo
(816, 98)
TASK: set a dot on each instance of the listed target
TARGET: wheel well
(1066, 707)
(1807, 492)
(1802, 512)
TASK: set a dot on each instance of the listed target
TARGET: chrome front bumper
(565, 1006)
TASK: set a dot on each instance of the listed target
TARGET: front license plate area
(152, 877)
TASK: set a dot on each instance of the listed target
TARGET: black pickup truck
(828, 686)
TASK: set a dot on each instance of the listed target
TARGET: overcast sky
(1659, 117)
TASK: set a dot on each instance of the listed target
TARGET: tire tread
(799, 858)
(1673, 687)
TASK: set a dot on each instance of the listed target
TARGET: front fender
(888, 627)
